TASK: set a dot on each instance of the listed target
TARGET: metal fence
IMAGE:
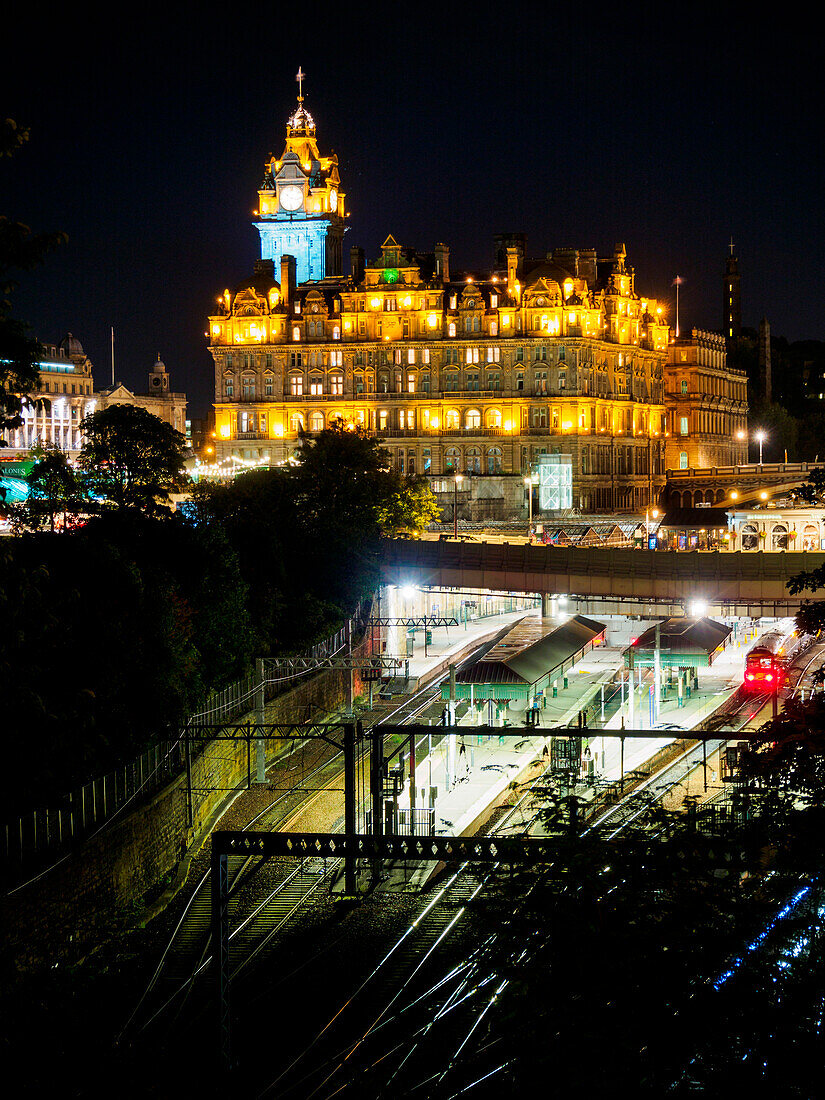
(32, 841)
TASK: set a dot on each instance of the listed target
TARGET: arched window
(494, 328)
(452, 459)
(492, 418)
(810, 537)
(451, 419)
(683, 460)
(336, 332)
(779, 537)
(473, 460)
(450, 329)
(750, 536)
(296, 332)
(296, 422)
(316, 422)
(493, 460)
(472, 419)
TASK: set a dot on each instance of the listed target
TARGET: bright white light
(698, 608)
(408, 591)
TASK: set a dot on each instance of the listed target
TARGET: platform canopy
(683, 643)
(527, 659)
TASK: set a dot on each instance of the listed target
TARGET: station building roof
(683, 642)
(694, 519)
(527, 658)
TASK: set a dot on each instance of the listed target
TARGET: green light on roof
(391, 275)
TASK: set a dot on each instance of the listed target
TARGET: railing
(35, 838)
(750, 469)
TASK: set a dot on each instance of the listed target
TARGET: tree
(411, 508)
(53, 489)
(20, 250)
(131, 458)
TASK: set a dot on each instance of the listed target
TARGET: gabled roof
(532, 649)
(685, 635)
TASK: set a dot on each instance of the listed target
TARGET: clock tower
(300, 203)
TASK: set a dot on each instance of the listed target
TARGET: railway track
(261, 915)
(463, 994)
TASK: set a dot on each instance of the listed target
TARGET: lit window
(683, 425)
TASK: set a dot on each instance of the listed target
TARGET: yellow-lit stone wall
(477, 375)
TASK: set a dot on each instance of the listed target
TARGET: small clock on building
(291, 198)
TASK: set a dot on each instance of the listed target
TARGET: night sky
(450, 123)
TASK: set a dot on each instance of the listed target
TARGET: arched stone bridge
(637, 582)
(714, 485)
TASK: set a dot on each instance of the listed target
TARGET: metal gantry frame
(417, 622)
(376, 846)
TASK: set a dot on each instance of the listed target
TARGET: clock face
(291, 198)
(333, 199)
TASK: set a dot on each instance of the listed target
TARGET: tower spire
(300, 77)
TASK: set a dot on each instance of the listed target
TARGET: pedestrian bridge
(608, 581)
(716, 485)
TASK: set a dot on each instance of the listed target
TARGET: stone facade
(707, 404)
(476, 373)
(159, 400)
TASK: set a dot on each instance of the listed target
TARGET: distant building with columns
(66, 394)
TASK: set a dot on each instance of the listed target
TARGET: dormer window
(493, 301)
(296, 307)
(453, 300)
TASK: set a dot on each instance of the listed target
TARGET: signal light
(769, 677)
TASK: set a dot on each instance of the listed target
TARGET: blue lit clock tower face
(301, 206)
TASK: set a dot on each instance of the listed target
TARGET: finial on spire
(301, 76)
(731, 246)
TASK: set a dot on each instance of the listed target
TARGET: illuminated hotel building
(550, 365)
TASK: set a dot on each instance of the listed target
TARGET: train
(766, 663)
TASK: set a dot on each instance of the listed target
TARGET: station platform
(471, 780)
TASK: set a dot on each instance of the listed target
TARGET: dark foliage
(111, 636)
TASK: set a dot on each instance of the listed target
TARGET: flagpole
(113, 356)
(677, 282)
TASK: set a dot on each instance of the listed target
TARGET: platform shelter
(529, 661)
(683, 643)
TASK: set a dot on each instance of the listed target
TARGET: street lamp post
(761, 438)
(458, 479)
(654, 514)
(529, 482)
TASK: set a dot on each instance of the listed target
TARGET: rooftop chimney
(288, 269)
(357, 263)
